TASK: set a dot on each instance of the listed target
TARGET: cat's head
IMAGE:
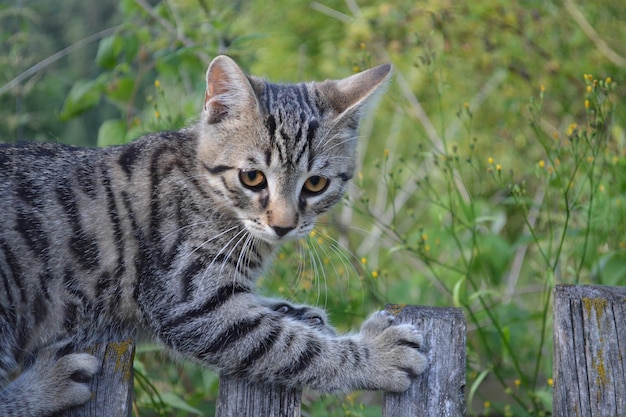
(277, 156)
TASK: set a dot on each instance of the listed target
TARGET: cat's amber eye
(253, 179)
(316, 184)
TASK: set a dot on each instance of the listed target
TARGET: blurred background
(493, 168)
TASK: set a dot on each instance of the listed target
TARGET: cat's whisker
(327, 256)
(209, 267)
(347, 257)
(241, 235)
(319, 273)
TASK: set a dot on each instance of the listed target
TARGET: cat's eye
(315, 184)
(253, 179)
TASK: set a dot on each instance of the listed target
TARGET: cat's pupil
(253, 179)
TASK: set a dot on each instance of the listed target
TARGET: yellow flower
(571, 129)
(157, 114)
(157, 83)
(374, 274)
(363, 260)
(518, 382)
(386, 153)
(542, 163)
(608, 80)
(550, 381)
(542, 88)
(589, 89)
(487, 405)
(424, 237)
(490, 160)
(498, 167)
(586, 104)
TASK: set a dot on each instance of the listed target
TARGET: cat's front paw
(394, 352)
(56, 383)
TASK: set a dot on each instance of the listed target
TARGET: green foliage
(494, 167)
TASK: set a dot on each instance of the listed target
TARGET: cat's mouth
(274, 235)
(273, 238)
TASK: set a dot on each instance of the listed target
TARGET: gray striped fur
(163, 237)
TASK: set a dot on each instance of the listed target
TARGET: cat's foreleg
(250, 337)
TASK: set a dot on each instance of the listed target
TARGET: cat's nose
(282, 231)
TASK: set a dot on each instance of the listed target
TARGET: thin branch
(332, 12)
(520, 253)
(591, 33)
(54, 58)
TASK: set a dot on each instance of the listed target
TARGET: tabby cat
(167, 235)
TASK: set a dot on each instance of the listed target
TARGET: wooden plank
(439, 390)
(589, 351)
(242, 398)
(112, 387)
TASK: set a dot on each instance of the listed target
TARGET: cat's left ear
(349, 96)
(228, 91)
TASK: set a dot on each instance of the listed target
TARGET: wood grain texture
(239, 398)
(439, 390)
(112, 387)
(589, 351)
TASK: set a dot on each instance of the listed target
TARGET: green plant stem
(542, 338)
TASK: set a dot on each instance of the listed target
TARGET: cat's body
(167, 235)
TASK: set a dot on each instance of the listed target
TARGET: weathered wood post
(239, 398)
(589, 351)
(439, 390)
(112, 387)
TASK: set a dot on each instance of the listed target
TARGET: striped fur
(167, 235)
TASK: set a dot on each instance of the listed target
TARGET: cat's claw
(313, 317)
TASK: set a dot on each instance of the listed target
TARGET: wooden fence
(589, 369)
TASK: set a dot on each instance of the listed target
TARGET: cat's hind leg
(56, 380)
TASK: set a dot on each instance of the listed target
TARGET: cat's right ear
(228, 91)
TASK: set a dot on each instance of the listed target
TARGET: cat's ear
(348, 96)
(228, 91)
